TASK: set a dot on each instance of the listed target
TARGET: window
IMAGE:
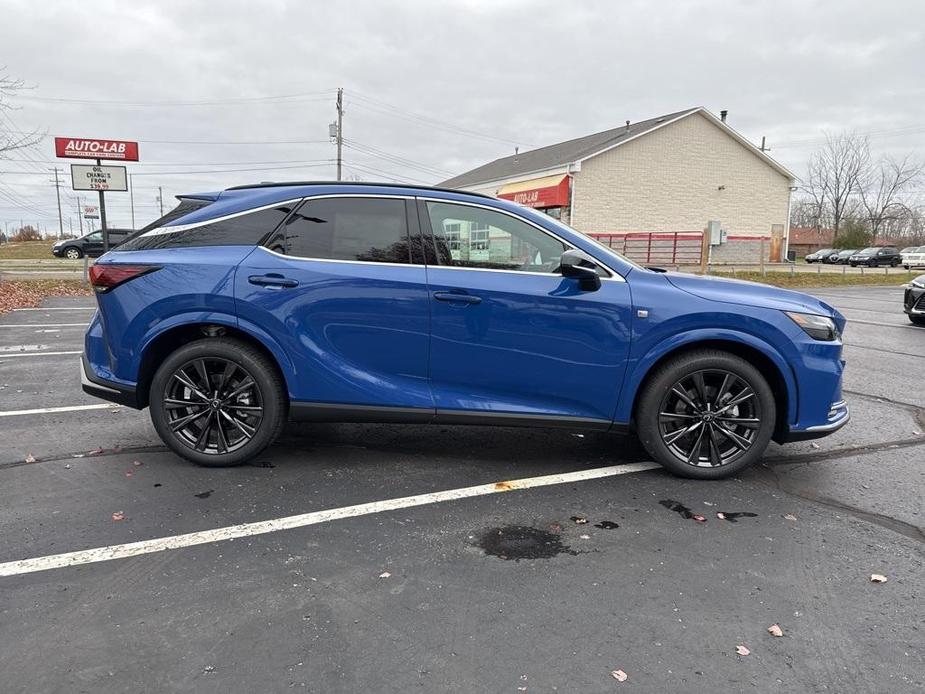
(243, 230)
(475, 237)
(368, 229)
(95, 236)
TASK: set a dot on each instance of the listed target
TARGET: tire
(73, 253)
(894, 262)
(244, 423)
(657, 430)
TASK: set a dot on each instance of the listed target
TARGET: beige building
(652, 187)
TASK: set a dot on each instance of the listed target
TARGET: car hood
(731, 291)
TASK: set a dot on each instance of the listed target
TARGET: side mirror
(575, 264)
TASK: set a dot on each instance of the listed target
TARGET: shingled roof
(564, 153)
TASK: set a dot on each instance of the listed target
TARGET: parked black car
(914, 300)
(820, 255)
(875, 256)
(90, 245)
(840, 257)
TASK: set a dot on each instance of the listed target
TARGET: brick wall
(669, 180)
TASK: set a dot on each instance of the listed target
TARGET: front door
(335, 286)
(509, 336)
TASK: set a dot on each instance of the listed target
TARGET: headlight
(919, 282)
(817, 327)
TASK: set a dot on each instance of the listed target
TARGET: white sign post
(86, 177)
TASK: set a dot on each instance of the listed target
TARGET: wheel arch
(761, 355)
(164, 343)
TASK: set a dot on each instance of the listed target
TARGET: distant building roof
(811, 235)
(564, 153)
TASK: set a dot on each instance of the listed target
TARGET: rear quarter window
(248, 229)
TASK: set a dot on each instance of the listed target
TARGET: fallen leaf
(128, 474)
(700, 519)
(815, 445)
(118, 515)
(384, 574)
(618, 675)
(137, 463)
(742, 650)
(556, 528)
(30, 458)
(579, 520)
(790, 517)
(585, 537)
(877, 578)
(95, 451)
(775, 630)
(721, 515)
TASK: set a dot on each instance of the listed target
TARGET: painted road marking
(44, 325)
(53, 410)
(22, 348)
(59, 308)
(233, 532)
(37, 354)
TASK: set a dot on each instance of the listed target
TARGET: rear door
(511, 338)
(335, 285)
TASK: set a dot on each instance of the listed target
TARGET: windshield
(824, 251)
(607, 249)
(869, 251)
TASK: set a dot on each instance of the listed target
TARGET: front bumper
(57, 252)
(839, 416)
(106, 390)
(914, 301)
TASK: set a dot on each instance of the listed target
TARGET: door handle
(272, 280)
(456, 297)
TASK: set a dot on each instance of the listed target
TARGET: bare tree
(882, 189)
(834, 176)
(11, 139)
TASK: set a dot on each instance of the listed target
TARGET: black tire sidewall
(268, 382)
(68, 250)
(675, 369)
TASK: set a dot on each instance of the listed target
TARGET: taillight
(106, 277)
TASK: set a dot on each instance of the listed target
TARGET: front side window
(479, 238)
(365, 229)
(95, 236)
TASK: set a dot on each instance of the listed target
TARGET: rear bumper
(839, 416)
(106, 390)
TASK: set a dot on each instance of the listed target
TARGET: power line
(395, 159)
(304, 96)
(268, 168)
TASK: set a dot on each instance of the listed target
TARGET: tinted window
(243, 230)
(369, 229)
(475, 237)
(95, 236)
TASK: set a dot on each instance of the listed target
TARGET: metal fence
(655, 248)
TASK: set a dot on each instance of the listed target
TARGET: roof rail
(282, 184)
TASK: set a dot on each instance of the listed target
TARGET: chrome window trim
(614, 275)
(163, 231)
(337, 260)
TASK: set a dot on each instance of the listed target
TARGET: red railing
(657, 247)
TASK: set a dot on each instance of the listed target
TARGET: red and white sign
(91, 212)
(86, 148)
(543, 196)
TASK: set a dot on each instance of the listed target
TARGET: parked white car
(915, 257)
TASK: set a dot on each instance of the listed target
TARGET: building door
(777, 243)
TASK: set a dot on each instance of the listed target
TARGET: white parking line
(44, 325)
(22, 348)
(37, 354)
(53, 410)
(59, 308)
(232, 532)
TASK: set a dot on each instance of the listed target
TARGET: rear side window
(248, 229)
(367, 229)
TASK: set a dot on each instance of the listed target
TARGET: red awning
(549, 191)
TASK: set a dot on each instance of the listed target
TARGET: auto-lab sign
(87, 148)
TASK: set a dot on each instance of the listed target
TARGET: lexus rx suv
(244, 308)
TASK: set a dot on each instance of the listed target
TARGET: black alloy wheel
(218, 401)
(706, 414)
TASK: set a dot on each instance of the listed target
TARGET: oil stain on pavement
(522, 542)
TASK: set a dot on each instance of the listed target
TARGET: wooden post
(704, 250)
(761, 259)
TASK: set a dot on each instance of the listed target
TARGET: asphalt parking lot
(298, 571)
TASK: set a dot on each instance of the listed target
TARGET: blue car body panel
(371, 334)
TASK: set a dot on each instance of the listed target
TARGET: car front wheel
(217, 402)
(73, 254)
(706, 414)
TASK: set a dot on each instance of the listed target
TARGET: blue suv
(244, 308)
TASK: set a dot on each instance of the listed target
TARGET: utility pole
(131, 197)
(80, 216)
(340, 129)
(58, 194)
(160, 199)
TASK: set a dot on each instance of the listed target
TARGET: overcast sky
(435, 88)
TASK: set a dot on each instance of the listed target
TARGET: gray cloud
(518, 72)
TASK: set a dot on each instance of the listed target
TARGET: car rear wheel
(73, 253)
(706, 414)
(217, 402)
